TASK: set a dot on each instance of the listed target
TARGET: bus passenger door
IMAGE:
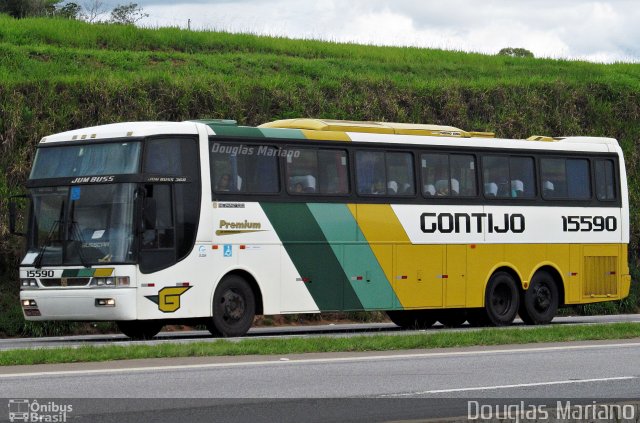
(456, 276)
(418, 279)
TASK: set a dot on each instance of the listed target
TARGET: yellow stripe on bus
(324, 135)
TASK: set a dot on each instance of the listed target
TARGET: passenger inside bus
(442, 188)
(429, 190)
(224, 183)
(490, 189)
(302, 184)
(517, 188)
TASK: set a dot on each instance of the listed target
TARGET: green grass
(427, 340)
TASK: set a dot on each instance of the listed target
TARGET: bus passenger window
(435, 174)
(565, 179)
(302, 171)
(508, 177)
(370, 172)
(317, 172)
(400, 180)
(463, 175)
(605, 180)
(521, 173)
(448, 175)
(495, 173)
(244, 168)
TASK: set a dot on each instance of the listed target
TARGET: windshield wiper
(38, 260)
(55, 225)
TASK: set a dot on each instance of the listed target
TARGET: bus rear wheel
(140, 329)
(502, 299)
(412, 319)
(234, 308)
(540, 302)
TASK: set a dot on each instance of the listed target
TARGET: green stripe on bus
(354, 253)
(314, 259)
(237, 131)
(78, 273)
(282, 133)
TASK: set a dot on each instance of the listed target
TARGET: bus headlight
(110, 282)
(105, 302)
(30, 307)
(28, 283)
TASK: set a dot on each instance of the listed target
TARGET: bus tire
(412, 319)
(453, 318)
(140, 329)
(234, 307)
(539, 303)
(502, 299)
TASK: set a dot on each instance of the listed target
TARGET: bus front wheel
(502, 299)
(540, 302)
(140, 329)
(233, 308)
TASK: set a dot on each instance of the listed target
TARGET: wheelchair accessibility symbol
(227, 252)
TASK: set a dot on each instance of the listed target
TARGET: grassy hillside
(59, 74)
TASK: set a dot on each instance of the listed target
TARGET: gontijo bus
(210, 222)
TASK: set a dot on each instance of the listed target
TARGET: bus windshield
(82, 225)
(111, 158)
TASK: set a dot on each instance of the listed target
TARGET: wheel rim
(542, 298)
(233, 306)
(501, 299)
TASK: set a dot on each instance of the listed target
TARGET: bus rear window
(245, 168)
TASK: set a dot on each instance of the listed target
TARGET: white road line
(292, 361)
(519, 385)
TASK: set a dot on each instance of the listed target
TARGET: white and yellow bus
(210, 222)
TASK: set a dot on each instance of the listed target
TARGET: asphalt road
(272, 332)
(334, 387)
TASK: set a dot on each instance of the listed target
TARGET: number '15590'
(589, 223)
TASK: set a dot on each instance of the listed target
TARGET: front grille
(64, 282)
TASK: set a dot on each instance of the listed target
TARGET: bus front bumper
(79, 304)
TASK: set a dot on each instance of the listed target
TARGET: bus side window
(302, 171)
(370, 172)
(565, 179)
(333, 172)
(435, 174)
(400, 179)
(158, 218)
(508, 177)
(463, 175)
(522, 179)
(241, 168)
(605, 180)
(495, 174)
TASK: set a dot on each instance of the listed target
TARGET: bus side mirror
(13, 215)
